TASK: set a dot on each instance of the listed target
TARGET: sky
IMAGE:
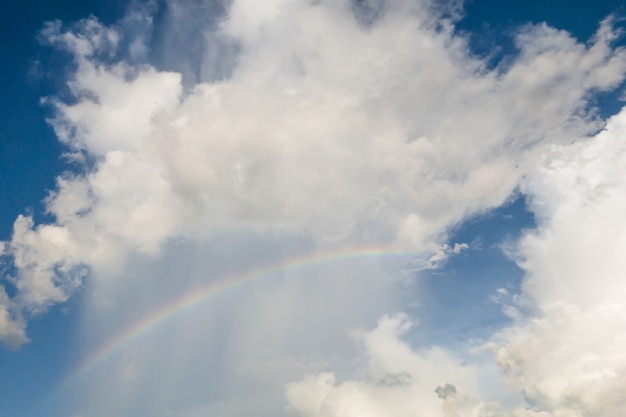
(331, 208)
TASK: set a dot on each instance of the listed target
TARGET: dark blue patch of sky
(491, 25)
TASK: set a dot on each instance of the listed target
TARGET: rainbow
(212, 289)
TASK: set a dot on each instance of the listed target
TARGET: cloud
(241, 345)
(286, 127)
(386, 133)
(12, 330)
(564, 353)
(568, 357)
(448, 394)
(448, 390)
(388, 356)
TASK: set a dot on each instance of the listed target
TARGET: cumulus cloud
(565, 353)
(321, 125)
(354, 128)
(413, 392)
(12, 330)
(568, 358)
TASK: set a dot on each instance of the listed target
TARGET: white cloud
(565, 354)
(341, 132)
(12, 330)
(398, 382)
(48, 269)
(569, 359)
(388, 133)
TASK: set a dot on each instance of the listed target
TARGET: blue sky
(184, 142)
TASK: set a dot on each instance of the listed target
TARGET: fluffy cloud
(398, 382)
(341, 124)
(12, 330)
(352, 125)
(565, 353)
(569, 358)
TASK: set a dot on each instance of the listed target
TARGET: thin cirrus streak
(203, 294)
